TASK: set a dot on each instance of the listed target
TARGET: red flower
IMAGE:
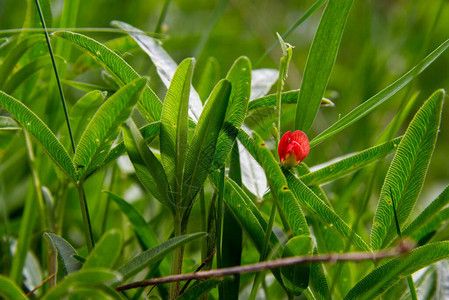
(293, 148)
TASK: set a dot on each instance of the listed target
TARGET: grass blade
(373, 102)
(320, 62)
(408, 169)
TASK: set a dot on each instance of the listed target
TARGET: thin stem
(219, 226)
(61, 93)
(162, 16)
(177, 259)
(86, 220)
(272, 264)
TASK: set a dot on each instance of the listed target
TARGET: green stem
(162, 16)
(219, 225)
(56, 74)
(86, 220)
(177, 259)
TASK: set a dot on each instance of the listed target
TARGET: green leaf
(201, 152)
(13, 57)
(428, 216)
(290, 97)
(345, 166)
(405, 177)
(90, 278)
(10, 290)
(31, 122)
(103, 129)
(143, 231)
(174, 125)
(296, 277)
(289, 206)
(314, 203)
(200, 289)
(388, 274)
(240, 78)
(373, 102)
(155, 254)
(87, 87)
(66, 252)
(106, 251)
(320, 62)
(318, 280)
(149, 105)
(165, 65)
(148, 168)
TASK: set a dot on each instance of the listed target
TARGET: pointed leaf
(373, 102)
(155, 254)
(408, 169)
(320, 62)
(10, 290)
(200, 154)
(174, 125)
(103, 129)
(31, 122)
(149, 105)
(66, 251)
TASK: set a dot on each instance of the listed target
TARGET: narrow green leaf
(10, 290)
(148, 168)
(165, 65)
(405, 177)
(106, 251)
(13, 57)
(290, 97)
(143, 231)
(320, 62)
(279, 186)
(90, 278)
(318, 280)
(240, 77)
(155, 254)
(296, 277)
(373, 102)
(201, 152)
(31, 122)
(149, 105)
(314, 203)
(174, 125)
(428, 214)
(66, 251)
(87, 87)
(200, 289)
(345, 166)
(388, 274)
(103, 129)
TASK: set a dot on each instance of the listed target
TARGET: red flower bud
(293, 148)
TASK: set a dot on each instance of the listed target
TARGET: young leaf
(103, 129)
(66, 252)
(405, 177)
(310, 200)
(388, 274)
(106, 251)
(41, 132)
(155, 254)
(345, 166)
(373, 102)
(148, 168)
(165, 65)
(10, 290)
(320, 62)
(200, 154)
(149, 105)
(174, 125)
(240, 78)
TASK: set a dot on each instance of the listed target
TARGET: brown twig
(273, 264)
(197, 270)
(41, 284)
